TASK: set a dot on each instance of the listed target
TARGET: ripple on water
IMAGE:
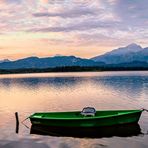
(31, 93)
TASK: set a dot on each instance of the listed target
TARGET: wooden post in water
(17, 122)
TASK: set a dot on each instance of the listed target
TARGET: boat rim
(85, 117)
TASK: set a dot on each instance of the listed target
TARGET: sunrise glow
(83, 28)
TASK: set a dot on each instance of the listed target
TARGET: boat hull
(117, 119)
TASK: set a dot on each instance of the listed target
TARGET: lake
(29, 93)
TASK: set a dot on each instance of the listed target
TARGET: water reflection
(116, 82)
(132, 86)
(27, 94)
(127, 130)
(36, 82)
(75, 92)
(129, 85)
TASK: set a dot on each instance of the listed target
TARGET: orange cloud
(44, 1)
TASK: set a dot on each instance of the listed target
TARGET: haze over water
(29, 93)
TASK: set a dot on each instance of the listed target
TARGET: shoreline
(70, 69)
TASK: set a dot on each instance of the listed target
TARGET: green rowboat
(88, 117)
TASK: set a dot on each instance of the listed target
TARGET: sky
(84, 28)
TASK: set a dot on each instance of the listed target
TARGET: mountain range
(128, 54)
(49, 62)
(132, 55)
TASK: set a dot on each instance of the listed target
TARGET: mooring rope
(25, 120)
(24, 123)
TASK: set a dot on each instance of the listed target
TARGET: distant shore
(71, 69)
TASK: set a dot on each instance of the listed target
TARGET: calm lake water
(29, 93)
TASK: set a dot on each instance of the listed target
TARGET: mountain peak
(131, 48)
(133, 45)
(59, 55)
(125, 54)
(5, 60)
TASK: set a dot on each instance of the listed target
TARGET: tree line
(70, 69)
